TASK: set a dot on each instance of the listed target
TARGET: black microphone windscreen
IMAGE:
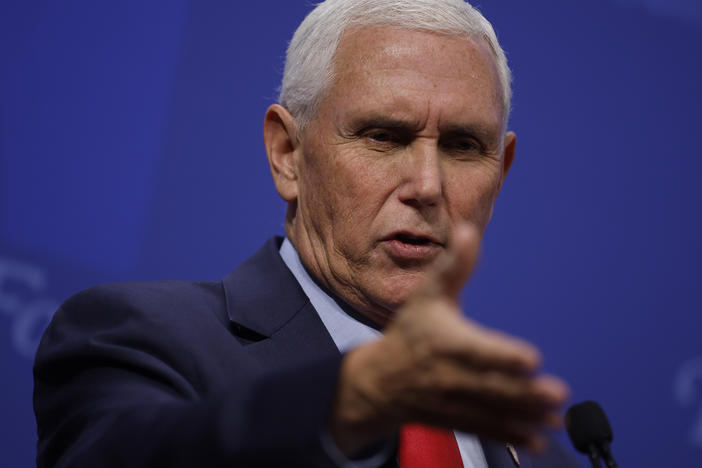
(587, 424)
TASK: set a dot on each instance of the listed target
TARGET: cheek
(363, 182)
(317, 202)
(342, 193)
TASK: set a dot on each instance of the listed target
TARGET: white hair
(309, 59)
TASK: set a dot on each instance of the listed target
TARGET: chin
(394, 291)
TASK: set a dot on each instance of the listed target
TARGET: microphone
(590, 432)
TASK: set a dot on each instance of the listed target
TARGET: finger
(534, 399)
(529, 395)
(525, 404)
(482, 349)
(465, 245)
(490, 422)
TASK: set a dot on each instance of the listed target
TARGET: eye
(380, 136)
(462, 145)
(466, 145)
(383, 139)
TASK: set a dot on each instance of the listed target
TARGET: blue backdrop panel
(130, 148)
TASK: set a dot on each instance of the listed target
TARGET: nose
(422, 182)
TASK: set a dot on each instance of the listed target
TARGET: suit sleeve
(114, 387)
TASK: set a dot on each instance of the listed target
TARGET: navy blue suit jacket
(233, 373)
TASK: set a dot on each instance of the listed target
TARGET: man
(390, 147)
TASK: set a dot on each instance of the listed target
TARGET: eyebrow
(480, 131)
(383, 121)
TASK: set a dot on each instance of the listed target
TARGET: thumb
(457, 265)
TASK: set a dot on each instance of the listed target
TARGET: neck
(350, 300)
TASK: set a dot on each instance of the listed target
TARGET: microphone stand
(597, 451)
(607, 455)
(594, 456)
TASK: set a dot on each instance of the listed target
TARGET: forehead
(453, 78)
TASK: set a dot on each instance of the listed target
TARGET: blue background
(130, 148)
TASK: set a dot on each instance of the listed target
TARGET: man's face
(407, 144)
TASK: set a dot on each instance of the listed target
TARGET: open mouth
(412, 249)
(412, 240)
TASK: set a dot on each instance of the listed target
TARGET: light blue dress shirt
(348, 333)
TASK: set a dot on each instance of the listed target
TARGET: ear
(510, 145)
(280, 138)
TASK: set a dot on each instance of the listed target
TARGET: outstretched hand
(436, 367)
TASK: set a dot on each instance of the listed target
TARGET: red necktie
(428, 447)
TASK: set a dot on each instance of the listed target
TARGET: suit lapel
(265, 302)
